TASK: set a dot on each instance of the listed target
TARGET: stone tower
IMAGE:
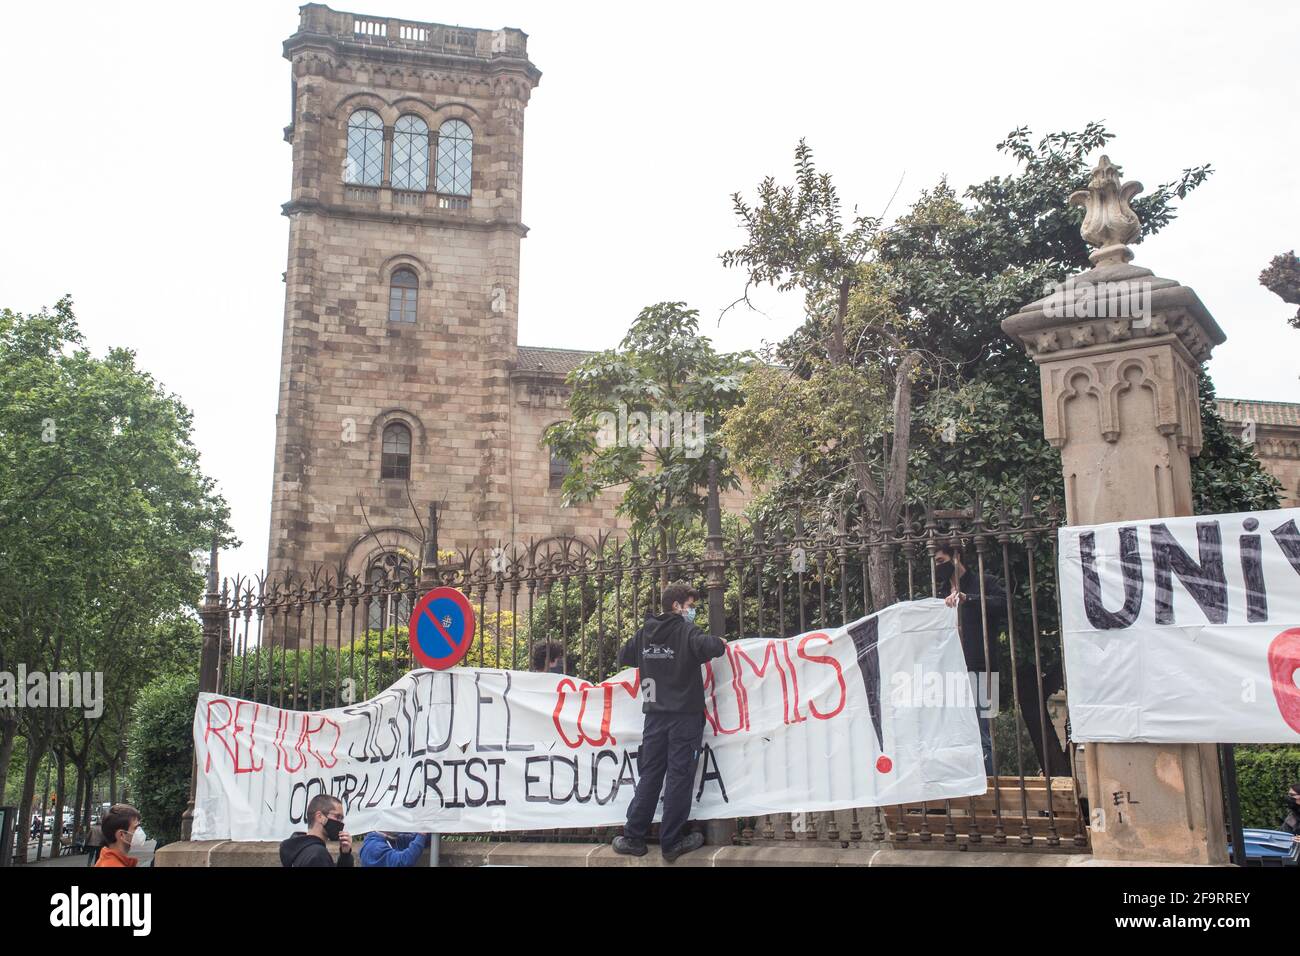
(401, 294)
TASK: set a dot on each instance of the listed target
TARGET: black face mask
(1292, 801)
(332, 829)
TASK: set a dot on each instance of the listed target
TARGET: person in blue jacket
(393, 849)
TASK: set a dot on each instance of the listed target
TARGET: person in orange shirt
(118, 826)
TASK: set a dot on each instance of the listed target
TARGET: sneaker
(692, 841)
(629, 847)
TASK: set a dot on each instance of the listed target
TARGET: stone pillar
(1118, 350)
(213, 615)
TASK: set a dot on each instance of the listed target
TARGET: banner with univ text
(1183, 630)
(824, 721)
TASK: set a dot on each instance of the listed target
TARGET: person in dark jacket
(1291, 824)
(669, 650)
(393, 849)
(325, 814)
(959, 586)
(549, 658)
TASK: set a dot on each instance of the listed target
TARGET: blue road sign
(442, 628)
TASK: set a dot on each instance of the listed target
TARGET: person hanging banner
(1183, 630)
(828, 720)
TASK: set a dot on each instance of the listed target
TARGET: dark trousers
(986, 744)
(670, 750)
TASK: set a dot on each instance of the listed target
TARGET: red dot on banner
(884, 764)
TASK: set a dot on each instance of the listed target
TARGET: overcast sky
(142, 166)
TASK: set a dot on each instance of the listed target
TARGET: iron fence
(325, 640)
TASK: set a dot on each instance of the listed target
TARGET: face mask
(689, 614)
(332, 829)
(138, 838)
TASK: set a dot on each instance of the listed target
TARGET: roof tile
(561, 361)
(1261, 413)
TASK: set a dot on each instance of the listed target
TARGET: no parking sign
(442, 628)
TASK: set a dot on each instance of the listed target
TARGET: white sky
(142, 166)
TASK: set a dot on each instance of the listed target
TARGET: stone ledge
(225, 853)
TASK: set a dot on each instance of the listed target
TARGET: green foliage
(667, 372)
(846, 377)
(1226, 476)
(935, 286)
(798, 238)
(946, 274)
(102, 504)
(320, 677)
(1264, 774)
(161, 748)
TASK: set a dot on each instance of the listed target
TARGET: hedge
(1263, 776)
(161, 753)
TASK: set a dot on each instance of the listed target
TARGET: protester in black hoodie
(325, 815)
(669, 650)
(959, 586)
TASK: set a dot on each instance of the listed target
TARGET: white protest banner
(1183, 630)
(822, 721)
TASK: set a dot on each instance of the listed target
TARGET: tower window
(559, 469)
(455, 158)
(403, 291)
(411, 154)
(396, 459)
(365, 162)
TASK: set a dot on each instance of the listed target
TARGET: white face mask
(138, 838)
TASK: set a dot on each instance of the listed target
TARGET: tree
(952, 267)
(1226, 475)
(644, 416)
(102, 503)
(1282, 278)
(851, 366)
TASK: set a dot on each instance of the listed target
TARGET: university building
(1273, 428)
(402, 381)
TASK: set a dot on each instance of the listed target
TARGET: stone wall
(220, 853)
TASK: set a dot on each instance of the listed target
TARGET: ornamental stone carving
(1109, 222)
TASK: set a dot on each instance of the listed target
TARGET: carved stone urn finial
(1109, 222)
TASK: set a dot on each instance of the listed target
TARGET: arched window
(403, 290)
(386, 572)
(559, 468)
(395, 462)
(411, 153)
(365, 149)
(455, 158)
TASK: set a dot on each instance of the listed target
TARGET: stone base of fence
(225, 853)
